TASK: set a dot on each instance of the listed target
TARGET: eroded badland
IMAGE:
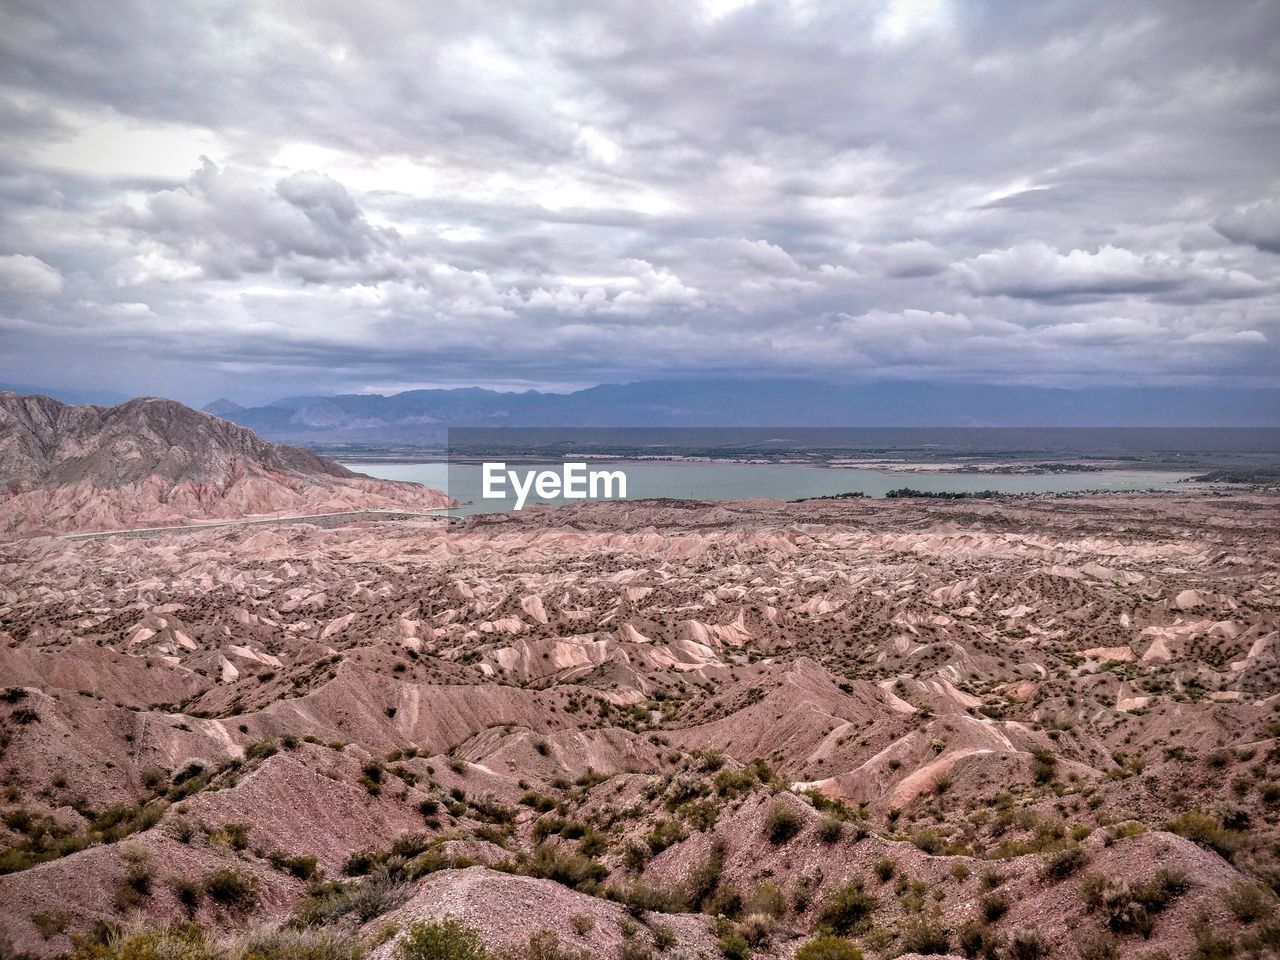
(659, 728)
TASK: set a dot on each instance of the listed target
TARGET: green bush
(447, 939)
(231, 889)
(1064, 863)
(290, 944)
(181, 942)
(781, 823)
(827, 947)
(1027, 944)
(978, 940)
(994, 906)
(920, 935)
(847, 909)
(830, 829)
(734, 947)
(1131, 907)
(1248, 902)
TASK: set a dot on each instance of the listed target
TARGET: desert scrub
(994, 906)
(922, 935)
(733, 946)
(134, 887)
(291, 944)
(446, 940)
(181, 942)
(1248, 902)
(45, 839)
(1027, 944)
(1064, 863)
(664, 834)
(329, 902)
(830, 830)
(847, 909)
(231, 889)
(827, 947)
(781, 823)
(977, 939)
(1130, 907)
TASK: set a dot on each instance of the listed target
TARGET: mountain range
(423, 416)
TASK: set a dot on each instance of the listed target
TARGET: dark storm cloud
(352, 197)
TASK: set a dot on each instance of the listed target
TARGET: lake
(739, 481)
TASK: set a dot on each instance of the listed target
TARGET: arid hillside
(1013, 728)
(156, 462)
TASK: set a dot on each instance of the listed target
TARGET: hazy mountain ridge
(425, 415)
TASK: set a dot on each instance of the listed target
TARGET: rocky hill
(1015, 728)
(152, 461)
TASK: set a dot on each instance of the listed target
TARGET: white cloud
(29, 276)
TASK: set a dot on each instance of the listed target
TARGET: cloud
(1258, 225)
(586, 193)
(1036, 271)
(29, 276)
(228, 223)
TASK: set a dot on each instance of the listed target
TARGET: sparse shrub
(704, 878)
(236, 835)
(1098, 946)
(184, 941)
(582, 923)
(232, 889)
(293, 944)
(446, 940)
(978, 940)
(186, 892)
(884, 868)
(50, 923)
(734, 947)
(260, 750)
(767, 900)
(830, 829)
(134, 887)
(641, 898)
(1248, 902)
(781, 823)
(1043, 765)
(664, 834)
(922, 935)
(1130, 907)
(304, 868)
(1199, 827)
(757, 929)
(994, 907)
(328, 902)
(570, 869)
(545, 945)
(1027, 944)
(1064, 863)
(827, 947)
(847, 909)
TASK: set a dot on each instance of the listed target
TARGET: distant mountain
(222, 407)
(152, 461)
(423, 416)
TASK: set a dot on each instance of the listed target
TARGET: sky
(202, 198)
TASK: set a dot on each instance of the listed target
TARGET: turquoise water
(739, 481)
